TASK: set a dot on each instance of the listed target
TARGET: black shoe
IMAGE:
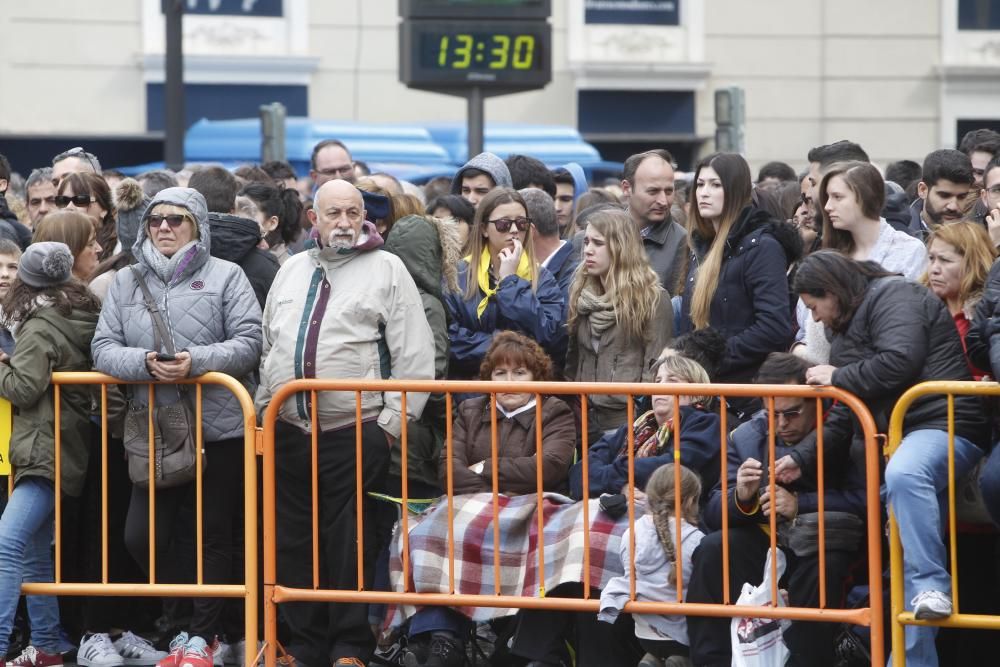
(445, 652)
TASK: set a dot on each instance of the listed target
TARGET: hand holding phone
(162, 356)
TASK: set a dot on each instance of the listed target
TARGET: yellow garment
(523, 271)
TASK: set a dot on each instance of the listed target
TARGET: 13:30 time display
(489, 51)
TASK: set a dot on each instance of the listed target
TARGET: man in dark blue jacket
(749, 504)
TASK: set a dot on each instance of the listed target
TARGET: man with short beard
(343, 309)
(944, 187)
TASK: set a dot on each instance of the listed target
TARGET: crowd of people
(867, 279)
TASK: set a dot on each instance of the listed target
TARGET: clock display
(490, 53)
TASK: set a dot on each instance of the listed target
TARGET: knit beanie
(131, 203)
(46, 264)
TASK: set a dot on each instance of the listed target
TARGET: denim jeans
(989, 484)
(916, 480)
(26, 555)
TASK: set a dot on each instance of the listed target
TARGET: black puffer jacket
(900, 335)
(750, 307)
(235, 240)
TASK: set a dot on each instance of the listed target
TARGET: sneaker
(931, 605)
(34, 657)
(650, 660)
(678, 661)
(445, 652)
(197, 653)
(348, 662)
(97, 650)
(176, 651)
(136, 650)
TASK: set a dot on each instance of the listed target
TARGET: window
(979, 14)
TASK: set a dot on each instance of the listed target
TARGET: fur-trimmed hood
(430, 250)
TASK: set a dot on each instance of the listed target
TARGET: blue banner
(632, 12)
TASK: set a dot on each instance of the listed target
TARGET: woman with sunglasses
(89, 194)
(620, 318)
(214, 320)
(501, 286)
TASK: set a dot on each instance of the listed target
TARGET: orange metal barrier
(248, 591)
(899, 617)
(275, 594)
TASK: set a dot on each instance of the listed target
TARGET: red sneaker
(197, 653)
(34, 657)
(176, 649)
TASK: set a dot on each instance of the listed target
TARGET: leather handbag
(175, 449)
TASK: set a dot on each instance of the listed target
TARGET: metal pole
(173, 89)
(475, 121)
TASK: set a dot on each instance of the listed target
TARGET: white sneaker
(136, 650)
(221, 652)
(931, 605)
(98, 651)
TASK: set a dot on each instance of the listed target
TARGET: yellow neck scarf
(523, 271)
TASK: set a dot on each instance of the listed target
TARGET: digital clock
(499, 53)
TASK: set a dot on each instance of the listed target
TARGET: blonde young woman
(620, 318)
(736, 280)
(501, 286)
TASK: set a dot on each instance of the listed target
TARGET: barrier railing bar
(137, 590)
(57, 487)
(678, 551)
(104, 483)
(494, 455)
(450, 475)
(539, 483)
(198, 491)
(630, 411)
(724, 479)
(772, 513)
(821, 503)
(151, 491)
(359, 502)
(314, 473)
(404, 470)
(952, 522)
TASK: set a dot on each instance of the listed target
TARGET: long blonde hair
(734, 173)
(661, 497)
(631, 285)
(476, 243)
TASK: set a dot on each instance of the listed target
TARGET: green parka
(48, 341)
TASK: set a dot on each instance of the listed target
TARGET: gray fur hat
(46, 264)
(131, 203)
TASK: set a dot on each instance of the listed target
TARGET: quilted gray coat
(210, 309)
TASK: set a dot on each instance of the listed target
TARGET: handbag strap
(159, 326)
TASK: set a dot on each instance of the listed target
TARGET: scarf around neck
(650, 438)
(599, 311)
(523, 271)
(168, 268)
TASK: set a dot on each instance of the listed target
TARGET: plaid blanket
(474, 558)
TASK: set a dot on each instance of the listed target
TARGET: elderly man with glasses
(750, 505)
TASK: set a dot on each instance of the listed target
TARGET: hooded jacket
(207, 304)
(349, 314)
(429, 249)
(49, 341)
(235, 240)
(750, 307)
(11, 228)
(491, 164)
(579, 179)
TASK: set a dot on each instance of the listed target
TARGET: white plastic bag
(759, 642)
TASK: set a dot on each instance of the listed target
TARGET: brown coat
(517, 463)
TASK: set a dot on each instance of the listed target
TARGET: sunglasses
(503, 225)
(788, 414)
(80, 201)
(174, 220)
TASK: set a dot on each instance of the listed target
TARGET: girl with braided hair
(664, 638)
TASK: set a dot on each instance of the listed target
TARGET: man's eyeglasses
(37, 201)
(788, 414)
(80, 201)
(337, 171)
(503, 224)
(174, 219)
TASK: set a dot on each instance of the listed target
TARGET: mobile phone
(160, 356)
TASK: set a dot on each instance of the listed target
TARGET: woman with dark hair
(276, 211)
(502, 286)
(888, 334)
(512, 357)
(736, 280)
(457, 209)
(53, 317)
(89, 193)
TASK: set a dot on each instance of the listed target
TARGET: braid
(660, 514)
